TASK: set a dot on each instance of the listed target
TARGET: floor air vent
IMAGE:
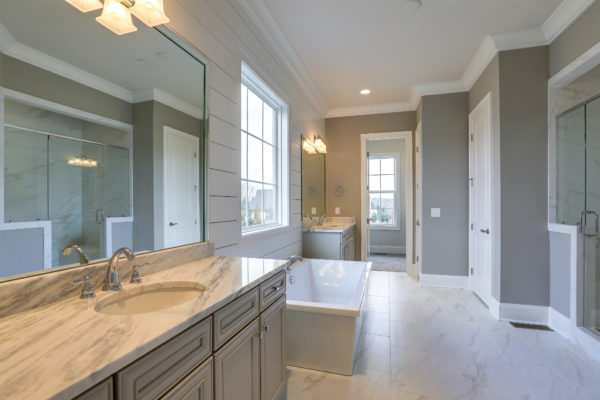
(530, 326)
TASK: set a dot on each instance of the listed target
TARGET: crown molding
(168, 100)
(431, 89)
(12, 48)
(483, 56)
(414, 98)
(564, 15)
(270, 33)
(520, 40)
(370, 109)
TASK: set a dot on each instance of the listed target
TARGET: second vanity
(226, 343)
(331, 239)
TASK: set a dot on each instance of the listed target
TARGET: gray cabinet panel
(154, 374)
(273, 357)
(271, 290)
(102, 391)
(230, 319)
(237, 366)
(196, 386)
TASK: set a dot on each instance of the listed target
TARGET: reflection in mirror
(101, 139)
(313, 182)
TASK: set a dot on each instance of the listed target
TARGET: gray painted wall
(26, 78)
(560, 275)
(576, 39)
(445, 174)
(21, 251)
(524, 176)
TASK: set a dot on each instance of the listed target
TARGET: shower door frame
(23, 98)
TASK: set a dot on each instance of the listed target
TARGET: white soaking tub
(325, 300)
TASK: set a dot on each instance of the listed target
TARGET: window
(382, 190)
(263, 163)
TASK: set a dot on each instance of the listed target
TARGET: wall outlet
(436, 213)
(337, 211)
(313, 211)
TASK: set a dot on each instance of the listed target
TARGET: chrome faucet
(112, 273)
(322, 219)
(293, 259)
(83, 258)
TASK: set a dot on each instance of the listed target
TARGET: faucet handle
(136, 277)
(87, 291)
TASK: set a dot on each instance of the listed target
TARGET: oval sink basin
(149, 298)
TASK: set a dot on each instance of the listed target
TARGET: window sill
(374, 227)
(264, 232)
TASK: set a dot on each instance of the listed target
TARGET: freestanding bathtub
(325, 299)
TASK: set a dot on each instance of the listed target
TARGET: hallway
(441, 344)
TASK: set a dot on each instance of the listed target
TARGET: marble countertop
(62, 349)
(335, 227)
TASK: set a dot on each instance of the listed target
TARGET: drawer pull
(261, 335)
(267, 328)
(277, 288)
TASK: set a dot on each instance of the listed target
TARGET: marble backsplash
(36, 291)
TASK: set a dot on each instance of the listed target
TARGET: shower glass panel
(591, 286)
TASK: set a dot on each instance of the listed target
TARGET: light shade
(150, 12)
(320, 146)
(116, 17)
(308, 147)
(85, 5)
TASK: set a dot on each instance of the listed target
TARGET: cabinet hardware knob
(267, 328)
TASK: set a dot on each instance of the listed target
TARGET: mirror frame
(302, 138)
(170, 34)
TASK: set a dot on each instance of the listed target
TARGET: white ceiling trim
(168, 100)
(483, 56)
(370, 109)
(580, 66)
(10, 47)
(431, 89)
(564, 15)
(271, 32)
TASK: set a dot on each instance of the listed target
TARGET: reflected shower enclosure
(67, 174)
(578, 194)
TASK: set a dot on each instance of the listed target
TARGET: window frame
(281, 147)
(397, 220)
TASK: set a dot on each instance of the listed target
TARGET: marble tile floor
(442, 344)
(388, 262)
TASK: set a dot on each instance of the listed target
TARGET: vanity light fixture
(116, 14)
(85, 5)
(308, 147)
(365, 91)
(320, 146)
(82, 162)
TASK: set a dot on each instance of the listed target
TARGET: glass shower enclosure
(578, 195)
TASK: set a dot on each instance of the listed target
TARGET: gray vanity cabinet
(102, 391)
(196, 386)
(331, 245)
(272, 351)
(237, 366)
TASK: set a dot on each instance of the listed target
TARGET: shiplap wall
(221, 30)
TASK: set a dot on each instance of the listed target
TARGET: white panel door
(181, 188)
(418, 200)
(480, 200)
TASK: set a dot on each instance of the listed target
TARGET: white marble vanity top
(331, 224)
(62, 349)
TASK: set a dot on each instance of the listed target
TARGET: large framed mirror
(102, 139)
(313, 182)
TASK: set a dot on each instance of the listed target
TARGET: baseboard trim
(388, 249)
(527, 314)
(446, 281)
(559, 322)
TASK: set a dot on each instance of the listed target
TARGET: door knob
(172, 223)
(486, 231)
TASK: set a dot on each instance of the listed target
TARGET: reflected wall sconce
(317, 146)
(116, 14)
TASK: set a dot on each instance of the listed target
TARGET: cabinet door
(198, 385)
(351, 248)
(273, 372)
(237, 366)
(102, 391)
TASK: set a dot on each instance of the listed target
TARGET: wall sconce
(320, 146)
(116, 14)
(308, 147)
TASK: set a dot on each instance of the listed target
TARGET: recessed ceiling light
(412, 5)
(365, 91)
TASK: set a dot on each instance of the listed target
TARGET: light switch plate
(313, 210)
(436, 212)
(337, 211)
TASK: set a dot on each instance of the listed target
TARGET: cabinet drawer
(230, 319)
(271, 290)
(197, 385)
(102, 391)
(154, 374)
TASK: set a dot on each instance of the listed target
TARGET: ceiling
(131, 65)
(349, 45)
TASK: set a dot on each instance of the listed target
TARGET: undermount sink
(149, 298)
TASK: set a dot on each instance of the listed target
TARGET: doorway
(480, 200)
(181, 170)
(387, 200)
